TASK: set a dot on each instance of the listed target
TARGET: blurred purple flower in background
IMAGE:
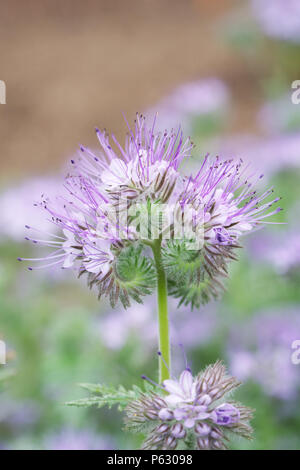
(279, 18)
(260, 350)
(117, 326)
(17, 206)
(281, 250)
(16, 414)
(279, 115)
(77, 439)
(190, 100)
(272, 154)
(193, 328)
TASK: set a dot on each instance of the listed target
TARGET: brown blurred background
(72, 65)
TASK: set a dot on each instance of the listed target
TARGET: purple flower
(272, 154)
(279, 116)
(279, 18)
(115, 329)
(282, 250)
(191, 414)
(148, 167)
(72, 439)
(261, 351)
(19, 414)
(190, 407)
(190, 100)
(226, 414)
(223, 215)
(215, 207)
(17, 206)
(181, 391)
(200, 97)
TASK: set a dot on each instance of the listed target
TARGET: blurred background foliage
(224, 71)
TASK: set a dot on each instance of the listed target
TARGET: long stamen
(144, 377)
(43, 232)
(42, 259)
(184, 357)
(37, 240)
(31, 268)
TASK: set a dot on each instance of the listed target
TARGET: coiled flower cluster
(191, 413)
(120, 199)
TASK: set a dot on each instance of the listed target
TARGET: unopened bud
(170, 442)
(178, 431)
(162, 428)
(165, 414)
(203, 443)
(151, 414)
(202, 429)
(204, 400)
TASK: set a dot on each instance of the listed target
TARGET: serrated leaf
(86, 402)
(104, 395)
(96, 388)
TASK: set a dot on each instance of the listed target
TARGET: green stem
(163, 321)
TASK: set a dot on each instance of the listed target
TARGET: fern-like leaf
(104, 395)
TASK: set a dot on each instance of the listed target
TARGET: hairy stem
(163, 321)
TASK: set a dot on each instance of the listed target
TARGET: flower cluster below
(191, 413)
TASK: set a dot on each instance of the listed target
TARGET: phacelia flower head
(226, 194)
(192, 410)
(147, 167)
(110, 196)
(90, 241)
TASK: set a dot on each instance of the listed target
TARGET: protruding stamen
(184, 357)
(165, 363)
(144, 377)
